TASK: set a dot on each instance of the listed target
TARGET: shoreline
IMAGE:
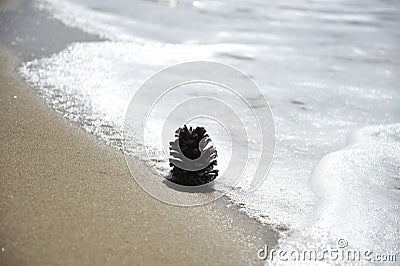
(68, 197)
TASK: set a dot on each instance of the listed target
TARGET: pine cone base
(193, 178)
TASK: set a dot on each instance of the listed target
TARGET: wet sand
(68, 198)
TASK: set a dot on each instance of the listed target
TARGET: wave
(358, 189)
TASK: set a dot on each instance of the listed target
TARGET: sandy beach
(67, 198)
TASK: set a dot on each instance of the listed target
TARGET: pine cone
(192, 144)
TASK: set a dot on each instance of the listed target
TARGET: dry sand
(67, 198)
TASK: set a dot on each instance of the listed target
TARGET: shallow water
(330, 72)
